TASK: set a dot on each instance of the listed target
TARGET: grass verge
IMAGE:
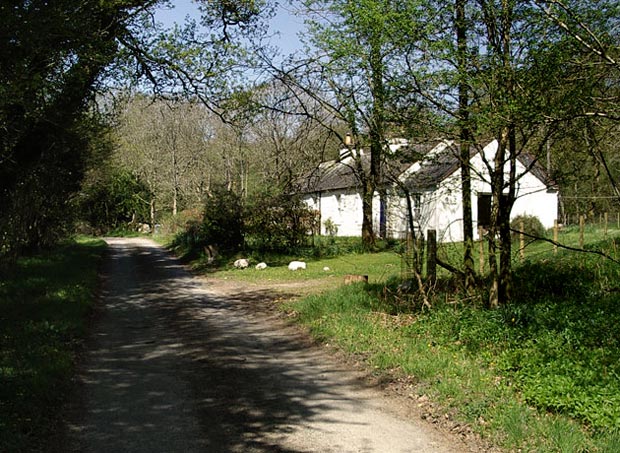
(540, 374)
(44, 302)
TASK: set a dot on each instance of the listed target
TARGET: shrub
(278, 223)
(221, 226)
(331, 229)
(530, 224)
(115, 202)
(222, 223)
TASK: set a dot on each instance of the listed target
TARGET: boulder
(261, 266)
(296, 265)
(241, 263)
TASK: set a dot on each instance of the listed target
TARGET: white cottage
(433, 184)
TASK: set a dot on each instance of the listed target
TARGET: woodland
(109, 121)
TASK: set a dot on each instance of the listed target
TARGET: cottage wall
(532, 198)
(439, 208)
(342, 207)
(396, 215)
(442, 210)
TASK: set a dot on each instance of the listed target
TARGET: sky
(284, 23)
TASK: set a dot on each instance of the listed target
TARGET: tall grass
(44, 301)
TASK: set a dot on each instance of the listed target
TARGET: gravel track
(174, 366)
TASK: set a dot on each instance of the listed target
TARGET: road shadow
(172, 367)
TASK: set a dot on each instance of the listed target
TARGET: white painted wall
(441, 209)
(446, 214)
(342, 207)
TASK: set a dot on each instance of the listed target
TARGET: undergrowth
(44, 301)
(539, 374)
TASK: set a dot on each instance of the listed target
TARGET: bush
(530, 224)
(116, 202)
(222, 223)
(278, 223)
(221, 226)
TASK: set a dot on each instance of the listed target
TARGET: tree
(463, 125)
(54, 55)
(115, 199)
(356, 47)
(493, 69)
(288, 142)
(590, 32)
(165, 144)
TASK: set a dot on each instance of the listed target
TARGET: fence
(420, 254)
(611, 219)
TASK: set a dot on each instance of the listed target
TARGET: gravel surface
(175, 364)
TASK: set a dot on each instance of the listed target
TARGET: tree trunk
(368, 234)
(175, 192)
(376, 133)
(152, 214)
(465, 140)
(495, 227)
(505, 280)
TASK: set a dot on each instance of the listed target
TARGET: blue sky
(285, 23)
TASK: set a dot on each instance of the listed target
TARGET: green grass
(378, 267)
(44, 302)
(541, 374)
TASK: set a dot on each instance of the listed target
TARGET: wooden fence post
(521, 241)
(555, 235)
(431, 256)
(582, 226)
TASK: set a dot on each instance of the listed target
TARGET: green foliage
(44, 301)
(222, 223)
(529, 224)
(118, 201)
(330, 227)
(221, 226)
(51, 55)
(278, 223)
(541, 372)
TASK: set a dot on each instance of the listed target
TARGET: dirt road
(175, 366)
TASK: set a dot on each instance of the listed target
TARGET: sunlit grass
(507, 373)
(378, 267)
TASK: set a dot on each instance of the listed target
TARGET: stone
(241, 263)
(296, 265)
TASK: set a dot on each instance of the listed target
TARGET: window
(416, 200)
(484, 210)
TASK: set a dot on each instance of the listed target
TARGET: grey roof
(345, 173)
(437, 166)
(436, 163)
(434, 168)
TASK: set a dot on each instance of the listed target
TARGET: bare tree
(165, 143)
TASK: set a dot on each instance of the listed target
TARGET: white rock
(261, 266)
(326, 269)
(242, 263)
(144, 228)
(296, 265)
